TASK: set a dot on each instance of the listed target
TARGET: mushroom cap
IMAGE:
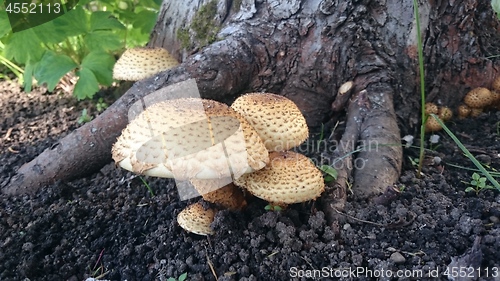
(214, 191)
(431, 108)
(432, 125)
(445, 113)
(463, 111)
(289, 178)
(139, 63)
(196, 219)
(277, 120)
(478, 98)
(190, 138)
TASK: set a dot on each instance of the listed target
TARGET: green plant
(330, 173)
(84, 117)
(147, 186)
(101, 105)
(422, 87)
(477, 184)
(181, 277)
(271, 207)
(85, 40)
(11, 66)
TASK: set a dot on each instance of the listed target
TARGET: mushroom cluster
(444, 113)
(475, 102)
(480, 99)
(221, 149)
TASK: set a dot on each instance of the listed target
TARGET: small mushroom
(190, 138)
(432, 125)
(445, 113)
(289, 178)
(463, 111)
(196, 219)
(140, 63)
(431, 108)
(478, 98)
(277, 120)
(228, 196)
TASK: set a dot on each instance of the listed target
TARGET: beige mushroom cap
(277, 120)
(289, 178)
(190, 138)
(196, 219)
(139, 63)
(214, 191)
(478, 98)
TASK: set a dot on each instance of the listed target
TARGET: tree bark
(304, 50)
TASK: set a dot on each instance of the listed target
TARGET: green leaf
(104, 20)
(87, 84)
(101, 64)
(183, 276)
(328, 178)
(102, 40)
(52, 67)
(329, 170)
(171, 279)
(469, 189)
(4, 24)
(50, 33)
(145, 20)
(72, 23)
(23, 45)
(28, 75)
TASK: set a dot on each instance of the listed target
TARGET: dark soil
(108, 226)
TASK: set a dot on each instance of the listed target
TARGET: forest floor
(108, 226)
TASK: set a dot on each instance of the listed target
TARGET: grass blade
(468, 154)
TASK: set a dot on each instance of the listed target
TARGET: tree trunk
(305, 50)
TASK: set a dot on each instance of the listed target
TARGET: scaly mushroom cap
(289, 178)
(139, 63)
(445, 113)
(190, 138)
(432, 125)
(478, 98)
(277, 120)
(196, 219)
(228, 196)
(431, 108)
(463, 111)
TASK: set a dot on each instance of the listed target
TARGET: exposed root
(372, 132)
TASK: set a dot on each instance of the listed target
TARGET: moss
(204, 27)
(236, 5)
(183, 36)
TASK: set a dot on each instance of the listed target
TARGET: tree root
(368, 154)
(221, 70)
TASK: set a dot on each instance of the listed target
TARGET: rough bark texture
(303, 50)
